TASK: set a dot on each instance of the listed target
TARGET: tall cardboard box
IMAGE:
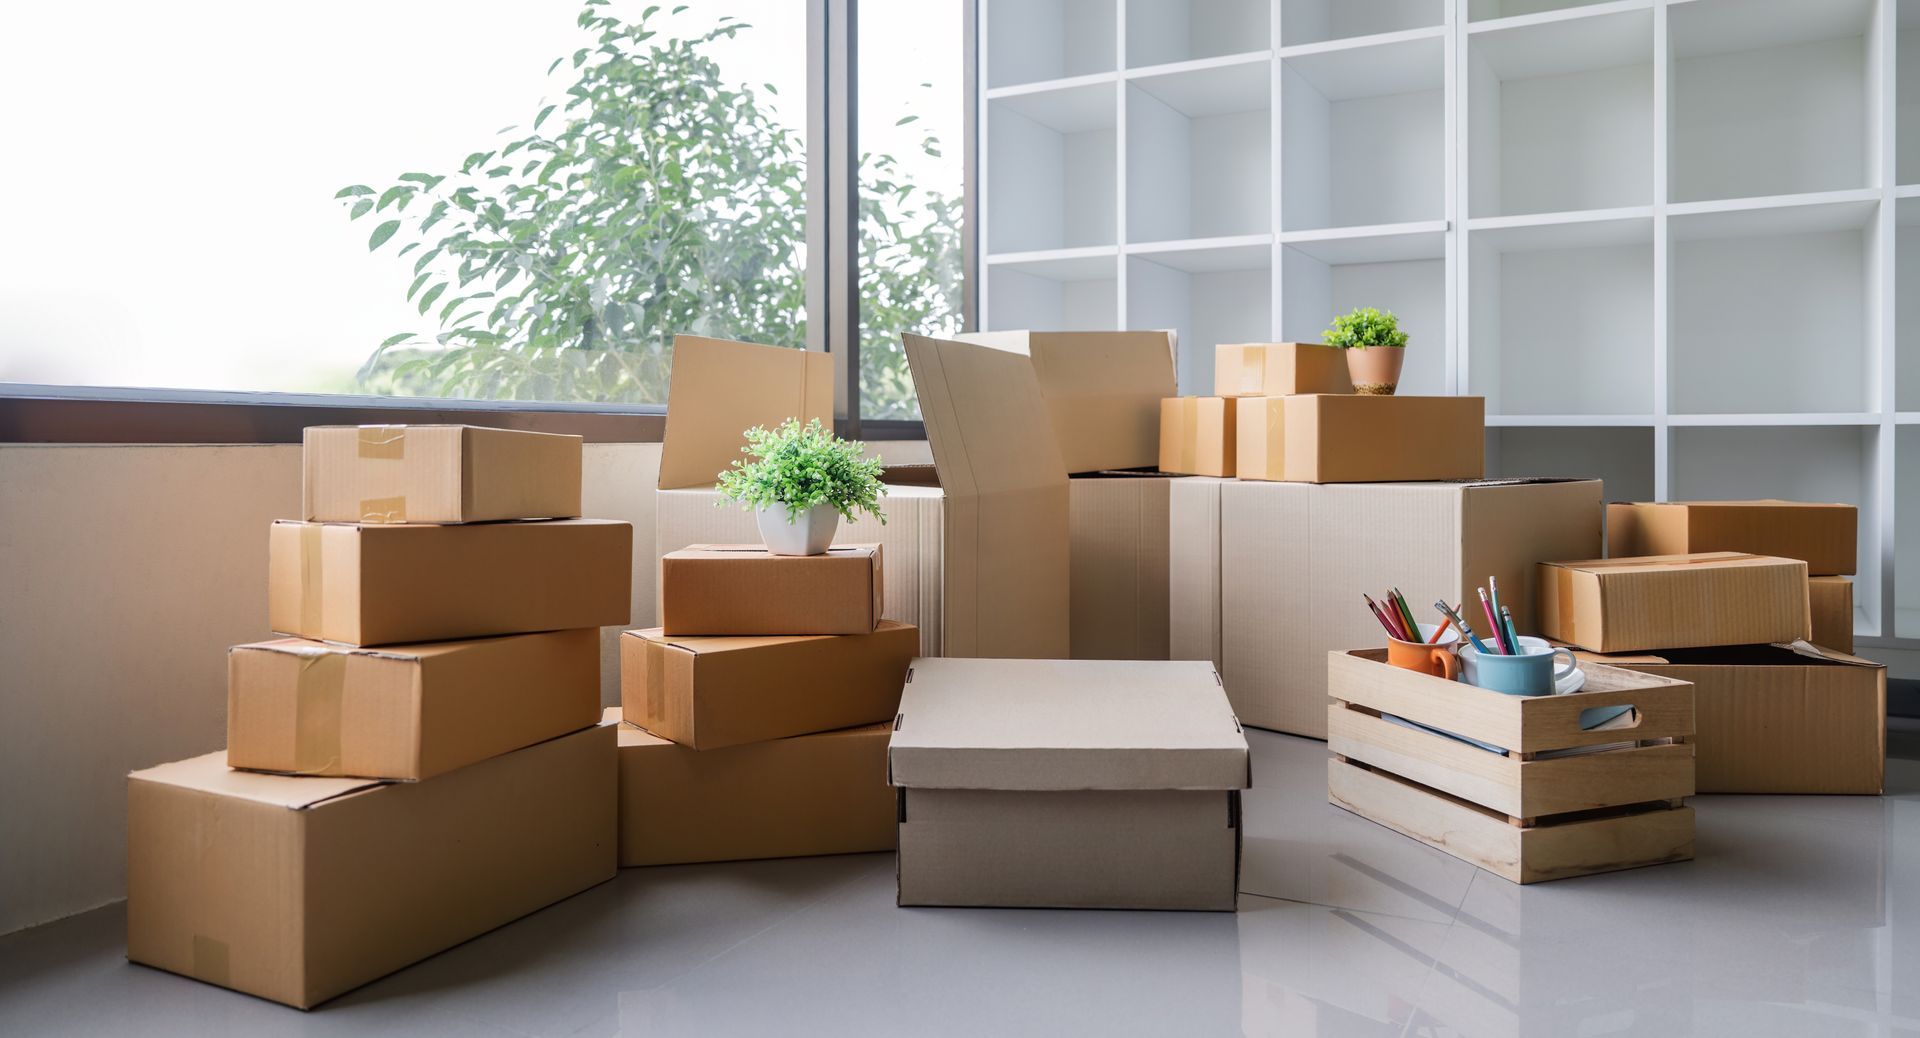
(1118, 581)
(1329, 438)
(1198, 435)
(1290, 561)
(1821, 535)
(1279, 369)
(1068, 784)
(301, 889)
(1674, 601)
(438, 474)
(1831, 601)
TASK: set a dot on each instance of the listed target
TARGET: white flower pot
(810, 534)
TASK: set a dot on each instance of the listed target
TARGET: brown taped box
(1779, 718)
(706, 693)
(987, 523)
(1197, 435)
(1102, 391)
(407, 712)
(1328, 438)
(1674, 601)
(1067, 784)
(786, 798)
(1266, 578)
(299, 889)
(741, 589)
(362, 584)
(1831, 601)
(1821, 535)
(1118, 579)
(438, 474)
(1278, 369)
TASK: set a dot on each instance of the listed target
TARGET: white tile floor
(1800, 917)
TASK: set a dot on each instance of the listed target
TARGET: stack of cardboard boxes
(421, 761)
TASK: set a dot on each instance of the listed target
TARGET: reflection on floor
(1801, 916)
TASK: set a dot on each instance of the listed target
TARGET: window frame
(58, 414)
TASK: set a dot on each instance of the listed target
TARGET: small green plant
(1365, 328)
(801, 466)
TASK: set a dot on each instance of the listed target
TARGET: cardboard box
(1118, 580)
(1279, 369)
(1779, 718)
(408, 712)
(706, 693)
(1102, 391)
(1197, 435)
(301, 889)
(1821, 535)
(388, 585)
(1269, 575)
(976, 548)
(1360, 439)
(438, 474)
(1674, 601)
(1068, 784)
(1831, 601)
(788, 798)
(739, 589)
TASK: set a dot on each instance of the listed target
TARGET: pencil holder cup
(1436, 659)
(1529, 673)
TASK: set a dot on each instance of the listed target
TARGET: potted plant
(801, 481)
(1376, 349)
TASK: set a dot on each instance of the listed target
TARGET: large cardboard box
(1674, 601)
(1329, 438)
(787, 798)
(1267, 577)
(1118, 546)
(438, 474)
(1831, 601)
(1102, 391)
(299, 889)
(744, 589)
(1821, 535)
(407, 712)
(1279, 369)
(1197, 435)
(976, 548)
(386, 585)
(1068, 784)
(1779, 718)
(707, 693)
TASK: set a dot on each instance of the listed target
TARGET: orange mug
(1436, 659)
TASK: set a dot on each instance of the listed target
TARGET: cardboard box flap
(986, 422)
(1669, 563)
(718, 389)
(313, 650)
(210, 774)
(1102, 391)
(1066, 725)
(716, 644)
(1786, 654)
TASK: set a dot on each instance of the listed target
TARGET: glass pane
(245, 196)
(910, 123)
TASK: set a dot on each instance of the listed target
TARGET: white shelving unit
(1674, 243)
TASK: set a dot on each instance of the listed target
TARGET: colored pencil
(1393, 630)
(1493, 597)
(1499, 636)
(1440, 631)
(1513, 633)
(1459, 621)
(1413, 626)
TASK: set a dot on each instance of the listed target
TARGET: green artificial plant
(801, 466)
(1365, 328)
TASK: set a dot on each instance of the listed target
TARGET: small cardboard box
(1197, 435)
(1821, 535)
(408, 712)
(786, 798)
(386, 585)
(1068, 784)
(744, 589)
(1326, 438)
(1831, 600)
(706, 693)
(1279, 369)
(1779, 718)
(1102, 391)
(1266, 578)
(438, 474)
(299, 889)
(1118, 580)
(1674, 601)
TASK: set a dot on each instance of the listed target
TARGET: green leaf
(360, 209)
(356, 189)
(393, 194)
(542, 117)
(381, 234)
(395, 340)
(426, 301)
(417, 282)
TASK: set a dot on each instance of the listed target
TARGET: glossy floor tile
(1801, 916)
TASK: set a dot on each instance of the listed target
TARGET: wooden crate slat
(1606, 844)
(1364, 678)
(1479, 839)
(1612, 778)
(1489, 779)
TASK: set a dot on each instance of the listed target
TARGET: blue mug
(1530, 673)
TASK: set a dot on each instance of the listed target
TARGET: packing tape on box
(383, 442)
(311, 599)
(383, 509)
(1252, 374)
(1190, 436)
(212, 961)
(317, 706)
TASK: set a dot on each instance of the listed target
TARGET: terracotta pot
(1375, 370)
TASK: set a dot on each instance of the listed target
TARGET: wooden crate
(1533, 812)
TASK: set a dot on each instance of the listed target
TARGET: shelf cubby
(1051, 169)
(1055, 294)
(1321, 21)
(1768, 312)
(1907, 94)
(1769, 97)
(1404, 272)
(1031, 41)
(1621, 456)
(1208, 295)
(1560, 115)
(1364, 133)
(1199, 149)
(1161, 32)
